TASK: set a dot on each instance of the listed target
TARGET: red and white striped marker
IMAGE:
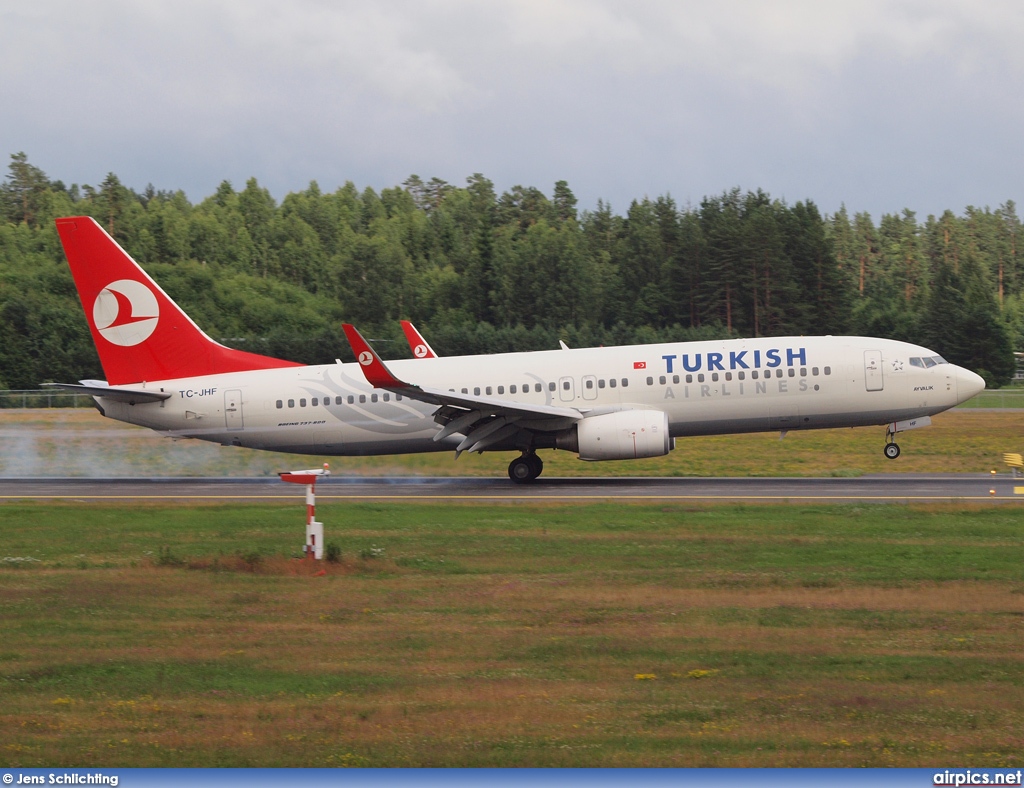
(314, 530)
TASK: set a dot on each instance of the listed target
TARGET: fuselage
(705, 388)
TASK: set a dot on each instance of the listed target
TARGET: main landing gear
(525, 469)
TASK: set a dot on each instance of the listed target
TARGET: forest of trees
(480, 272)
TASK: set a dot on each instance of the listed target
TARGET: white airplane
(609, 403)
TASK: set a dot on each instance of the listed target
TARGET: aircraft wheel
(521, 470)
(892, 451)
(537, 463)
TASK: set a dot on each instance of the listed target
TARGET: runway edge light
(314, 547)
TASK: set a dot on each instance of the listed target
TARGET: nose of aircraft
(968, 384)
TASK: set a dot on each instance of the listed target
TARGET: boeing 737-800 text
(611, 403)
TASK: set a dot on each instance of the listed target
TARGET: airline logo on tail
(420, 351)
(126, 312)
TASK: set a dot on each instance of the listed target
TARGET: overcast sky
(878, 105)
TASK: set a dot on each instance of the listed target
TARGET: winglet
(377, 375)
(417, 344)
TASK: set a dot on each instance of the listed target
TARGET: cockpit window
(939, 360)
(929, 362)
(916, 362)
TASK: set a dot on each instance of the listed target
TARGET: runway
(889, 488)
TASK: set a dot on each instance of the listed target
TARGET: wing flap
(379, 376)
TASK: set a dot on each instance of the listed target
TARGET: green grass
(476, 635)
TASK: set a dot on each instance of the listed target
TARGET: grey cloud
(878, 104)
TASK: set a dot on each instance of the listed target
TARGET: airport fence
(1009, 397)
(43, 398)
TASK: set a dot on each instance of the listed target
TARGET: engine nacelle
(624, 435)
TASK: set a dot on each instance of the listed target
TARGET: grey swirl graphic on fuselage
(385, 418)
(392, 417)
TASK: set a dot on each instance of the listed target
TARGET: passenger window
(538, 388)
(398, 397)
(689, 378)
(650, 381)
(362, 399)
(337, 400)
(280, 404)
(476, 391)
(828, 370)
(741, 375)
(792, 372)
(488, 391)
(600, 383)
(803, 372)
(612, 382)
(551, 386)
(565, 385)
(778, 373)
(675, 378)
(512, 389)
(351, 399)
(373, 398)
(754, 375)
(315, 401)
(501, 389)
(302, 403)
(661, 380)
(589, 383)
(291, 403)
(814, 371)
(700, 378)
(625, 382)
(728, 376)
(387, 398)
(465, 391)
(714, 377)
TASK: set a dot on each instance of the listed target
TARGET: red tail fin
(140, 333)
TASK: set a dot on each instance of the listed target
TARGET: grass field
(470, 635)
(83, 443)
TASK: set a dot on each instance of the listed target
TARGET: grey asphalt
(874, 488)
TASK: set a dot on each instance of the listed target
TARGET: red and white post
(314, 548)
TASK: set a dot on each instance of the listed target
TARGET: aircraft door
(873, 370)
(589, 387)
(233, 409)
(566, 389)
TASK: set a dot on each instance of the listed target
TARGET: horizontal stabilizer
(131, 396)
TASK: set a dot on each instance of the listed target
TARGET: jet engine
(622, 435)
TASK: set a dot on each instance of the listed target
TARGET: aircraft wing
(484, 421)
(417, 344)
(99, 389)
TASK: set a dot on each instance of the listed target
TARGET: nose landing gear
(526, 468)
(892, 449)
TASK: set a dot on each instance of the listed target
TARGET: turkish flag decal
(639, 365)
